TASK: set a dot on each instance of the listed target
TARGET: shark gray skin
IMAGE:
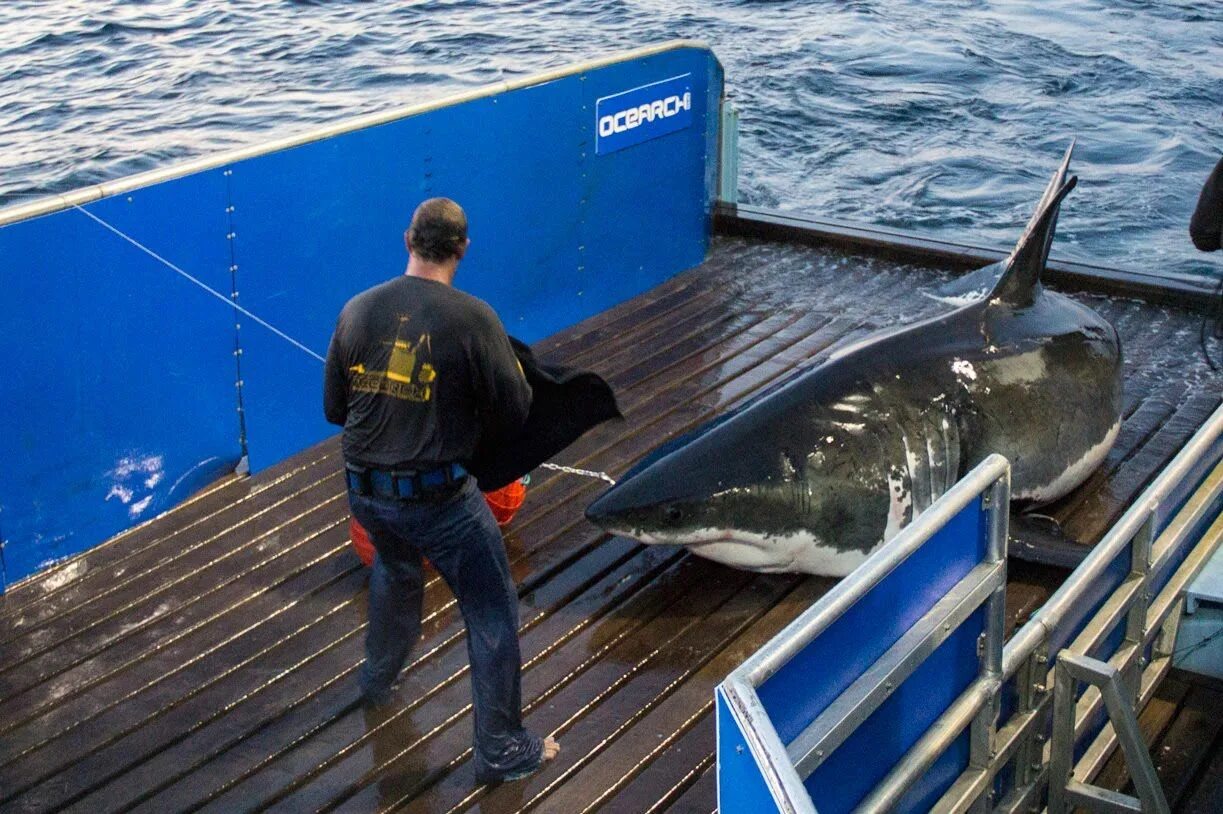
(816, 474)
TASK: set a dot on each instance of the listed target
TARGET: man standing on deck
(417, 373)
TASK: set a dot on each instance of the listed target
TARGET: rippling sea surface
(944, 118)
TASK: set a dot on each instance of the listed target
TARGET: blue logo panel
(643, 113)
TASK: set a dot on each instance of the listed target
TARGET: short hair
(438, 231)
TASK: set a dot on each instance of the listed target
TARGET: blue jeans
(460, 537)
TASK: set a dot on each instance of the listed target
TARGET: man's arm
(1206, 225)
(335, 384)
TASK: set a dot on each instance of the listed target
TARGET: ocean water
(944, 117)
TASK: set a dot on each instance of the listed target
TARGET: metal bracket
(1065, 793)
(728, 155)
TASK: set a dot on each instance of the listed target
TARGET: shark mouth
(798, 551)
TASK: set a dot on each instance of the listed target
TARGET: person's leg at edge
(395, 596)
(470, 555)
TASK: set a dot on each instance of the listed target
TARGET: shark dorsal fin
(1022, 269)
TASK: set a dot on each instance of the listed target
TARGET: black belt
(408, 484)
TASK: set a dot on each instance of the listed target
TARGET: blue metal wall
(558, 233)
(122, 397)
(119, 394)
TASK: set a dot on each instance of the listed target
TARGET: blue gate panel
(809, 682)
(741, 787)
(927, 791)
(857, 766)
(120, 396)
(558, 232)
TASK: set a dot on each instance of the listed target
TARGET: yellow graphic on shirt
(409, 373)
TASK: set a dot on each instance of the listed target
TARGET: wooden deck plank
(271, 739)
(159, 545)
(207, 659)
(620, 759)
(1179, 755)
(140, 624)
(545, 531)
(611, 695)
(700, 798)
(1207, 795)
(45, 590)
(670, 773)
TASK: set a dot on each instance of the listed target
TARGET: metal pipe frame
(94, 192)
(1022, 737)
(766, 661)
(977, 706)
(1161, 615)
(1024, 798)
(785, 786)
(989, 481)
(728, 155)
(860, 700)
(1064, 791)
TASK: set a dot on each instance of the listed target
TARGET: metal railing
(1144, 655)
(1151, 554)
(784, 766)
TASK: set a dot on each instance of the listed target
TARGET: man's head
(438, 233)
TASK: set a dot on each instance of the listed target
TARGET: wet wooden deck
(206, 661)
(1183, 726)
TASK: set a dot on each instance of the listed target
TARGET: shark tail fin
(1021, 271)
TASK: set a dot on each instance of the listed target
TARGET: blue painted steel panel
(120, 397)
(741, 786)
(3, 565)
(127, 401)
(804, 687)
(558, 232)
(857, 766)
(923, 794)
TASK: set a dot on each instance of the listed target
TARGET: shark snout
(628, 512)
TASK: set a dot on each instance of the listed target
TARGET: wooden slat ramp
(206, 661)
(1183, 726)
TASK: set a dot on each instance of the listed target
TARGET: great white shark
(815, 475)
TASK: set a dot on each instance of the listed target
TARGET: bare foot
(551, 748)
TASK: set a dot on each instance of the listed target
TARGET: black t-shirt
(418, 373)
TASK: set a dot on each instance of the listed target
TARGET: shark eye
(673, 513)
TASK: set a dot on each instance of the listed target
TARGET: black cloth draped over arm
(566, 404)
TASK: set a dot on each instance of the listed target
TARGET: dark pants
(460, 537)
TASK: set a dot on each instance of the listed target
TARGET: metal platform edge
(1180, 290)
